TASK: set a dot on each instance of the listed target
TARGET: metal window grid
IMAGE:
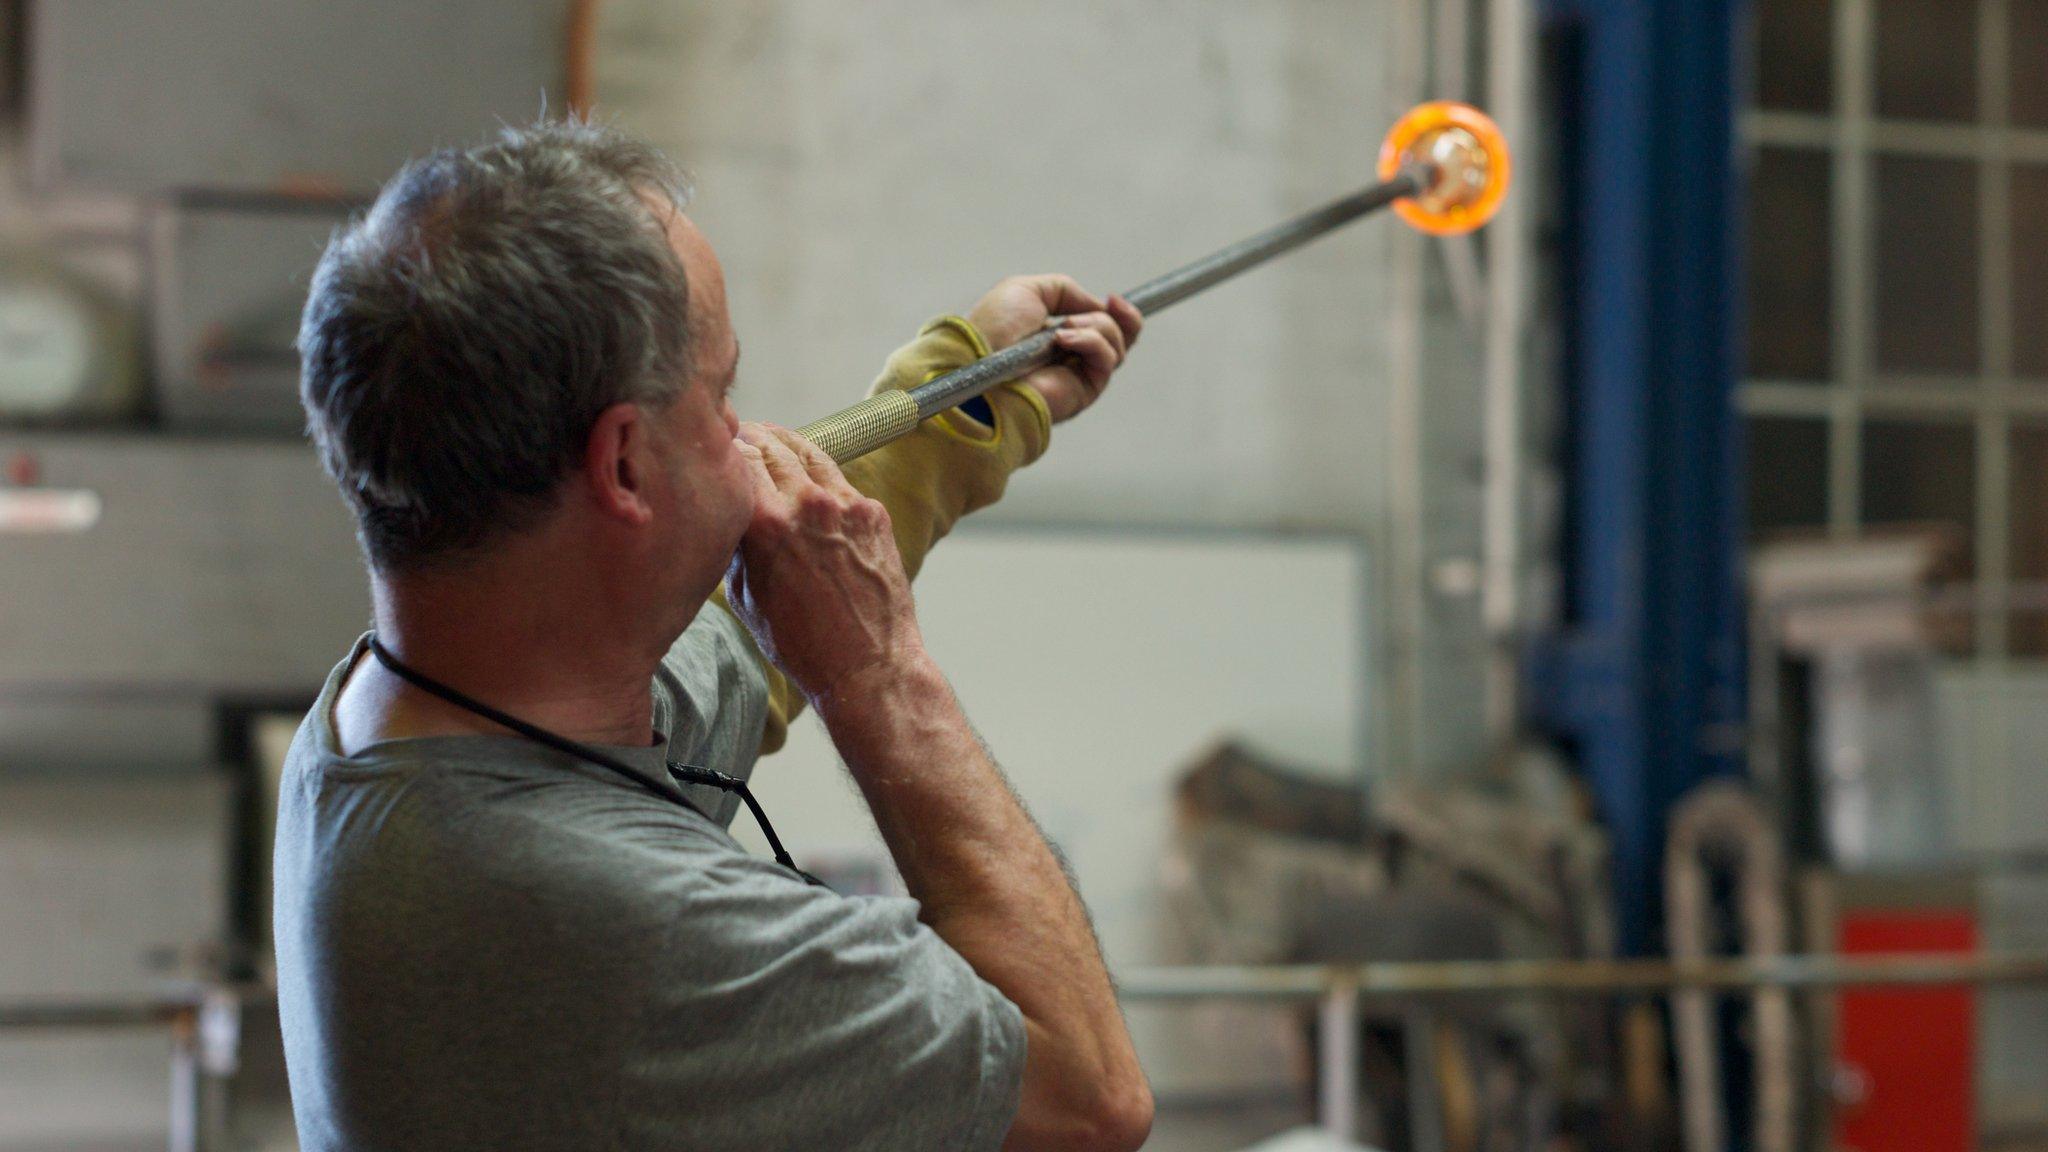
(1995, 398)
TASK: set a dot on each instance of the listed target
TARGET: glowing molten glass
(1469, 157)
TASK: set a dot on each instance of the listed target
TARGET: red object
(23, 470)
(1906, 1058)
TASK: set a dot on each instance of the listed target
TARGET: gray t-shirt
(485, 944)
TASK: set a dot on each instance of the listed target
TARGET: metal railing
(1339, 990)
(205, 1024)
(205, 1020)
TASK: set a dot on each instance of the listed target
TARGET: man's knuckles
(820, 506)
(774, 519)
(868, 513)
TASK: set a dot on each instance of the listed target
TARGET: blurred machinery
(1272, 866)
(1849, 639)
(1722, 831)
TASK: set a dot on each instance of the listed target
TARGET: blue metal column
(1646, 681)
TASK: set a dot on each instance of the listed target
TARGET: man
(517, 367)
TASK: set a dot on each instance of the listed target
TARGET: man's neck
(539, 645)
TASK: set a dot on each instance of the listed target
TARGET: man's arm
(992, 888)
(959, 462)
(819, 584)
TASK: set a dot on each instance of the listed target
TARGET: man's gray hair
(463, 335)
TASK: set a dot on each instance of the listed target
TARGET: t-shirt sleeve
(791, 1017)
(710, 700)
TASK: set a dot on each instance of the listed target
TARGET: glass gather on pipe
(1465, 150)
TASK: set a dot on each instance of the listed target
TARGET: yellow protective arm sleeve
(950, 466)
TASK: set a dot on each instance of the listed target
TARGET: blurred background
(1661, 572)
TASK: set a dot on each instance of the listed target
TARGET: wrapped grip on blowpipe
(864, 427)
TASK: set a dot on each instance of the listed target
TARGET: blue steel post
(1646, 680)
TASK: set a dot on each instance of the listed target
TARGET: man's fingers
(1094, 357)
(764, 484)
(1127, 318)
(820, 467)
(1103, 323)
(784, 469)
(1062, 294)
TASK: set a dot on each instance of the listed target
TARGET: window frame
(1995, 398)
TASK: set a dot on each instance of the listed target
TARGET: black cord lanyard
(689, 773)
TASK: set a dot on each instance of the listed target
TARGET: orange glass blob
(1471, 161)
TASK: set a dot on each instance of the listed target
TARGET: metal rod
(172, 1002)
(1165, 291)
(1575, 977)
(1221, 265)
(31, 1015)
(186, 1096)
(1509, 49)
(872, 423)
(1337, 1037)
(1425, 1102)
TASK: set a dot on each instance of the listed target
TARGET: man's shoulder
(473, 829)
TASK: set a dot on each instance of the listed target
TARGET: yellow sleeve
(950, 466)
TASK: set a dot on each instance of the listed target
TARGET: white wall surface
(1098, 667)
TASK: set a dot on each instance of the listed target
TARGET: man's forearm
(957, 832)
(989, 883)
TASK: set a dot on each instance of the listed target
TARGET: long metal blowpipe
(1444, 168)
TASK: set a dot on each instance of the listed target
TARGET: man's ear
(618, 466)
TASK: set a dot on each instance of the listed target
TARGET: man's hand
(1095, 336)
(817, 578)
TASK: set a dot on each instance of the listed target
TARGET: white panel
(100, 878)
(2013, 1022)
(1992, 732)
(1098, 667)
